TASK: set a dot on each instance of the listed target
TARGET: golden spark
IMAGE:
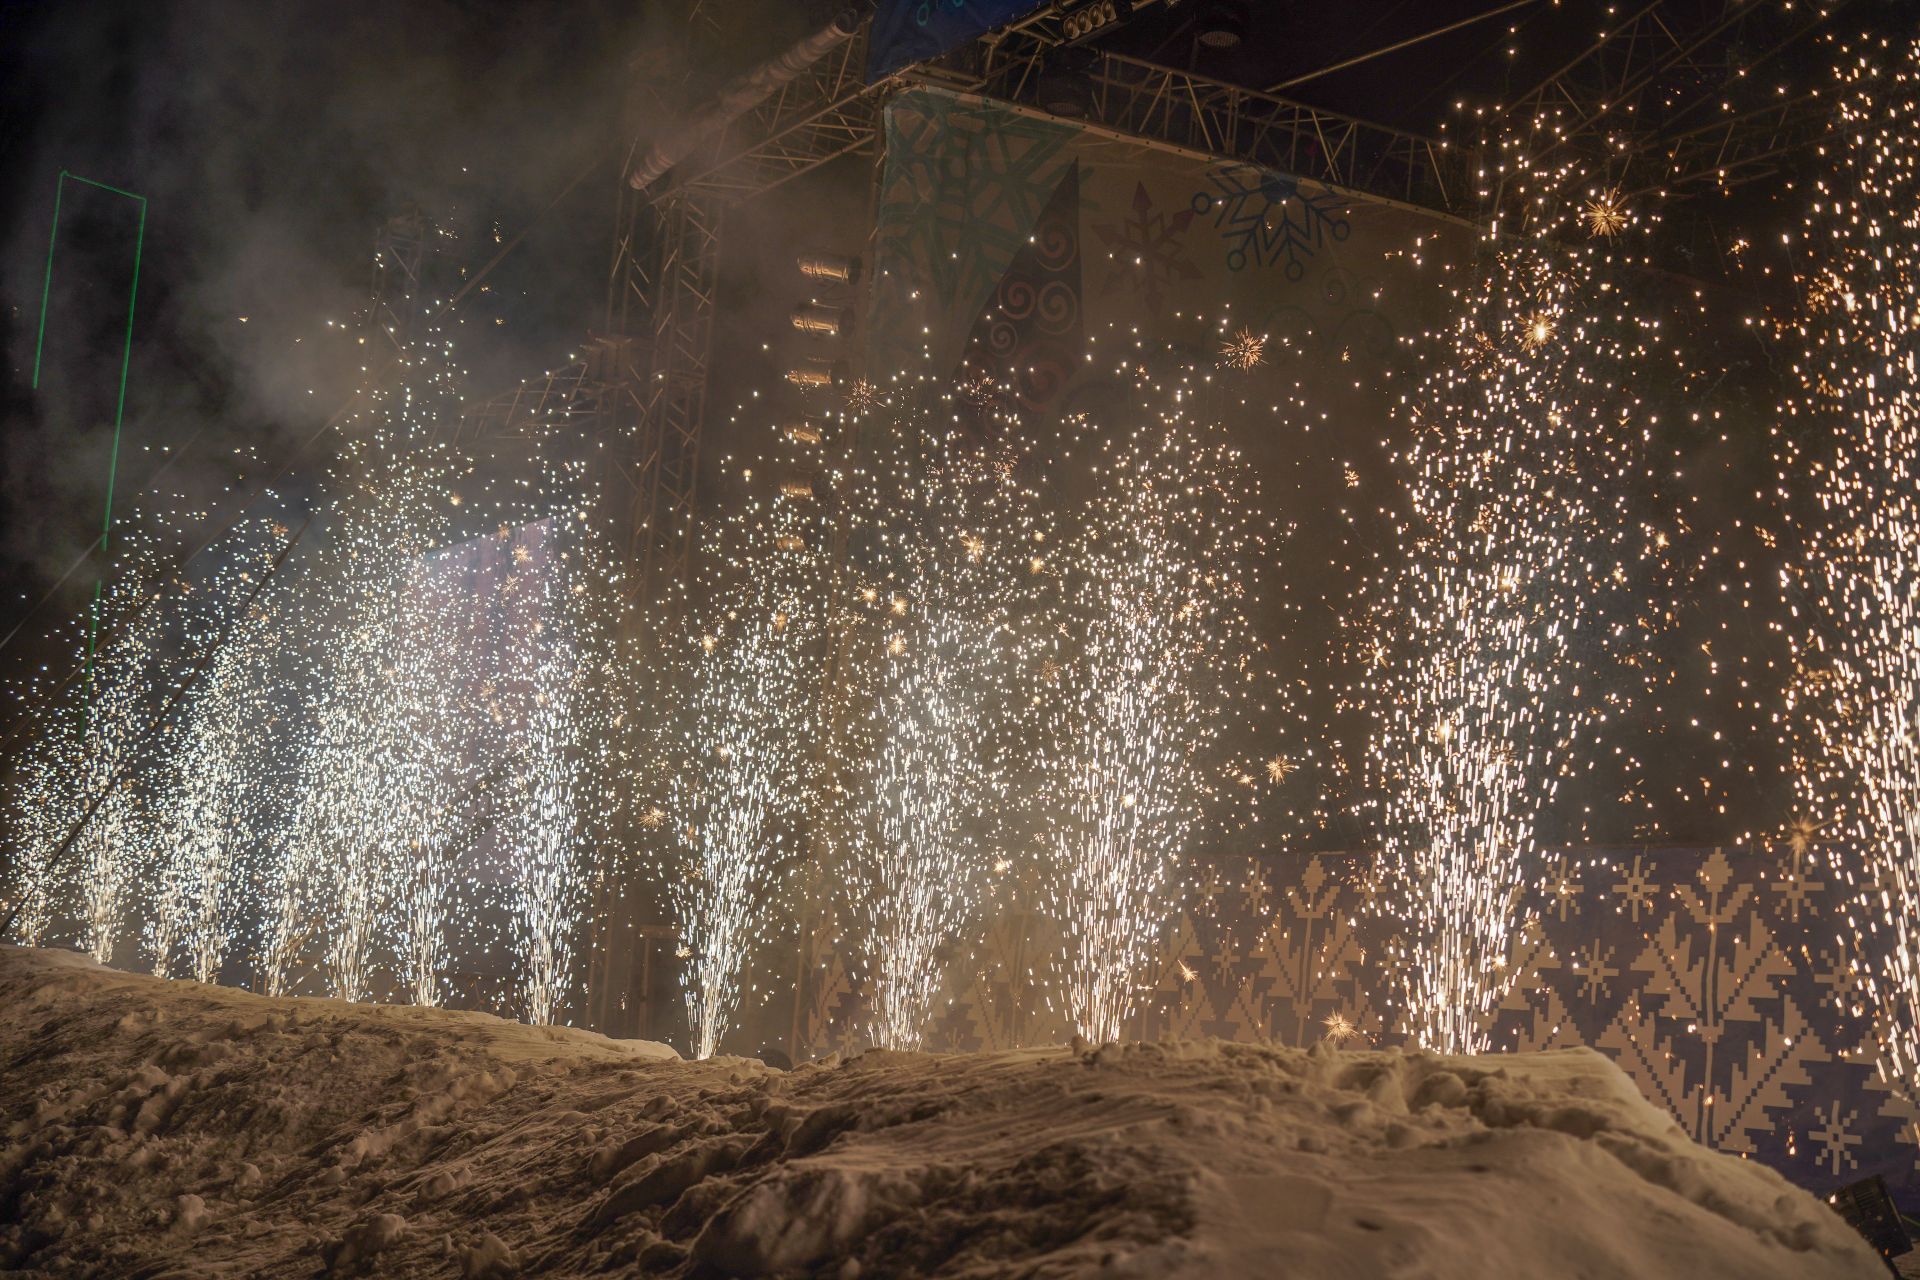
(1800, 834)
(1537, 331)
(1606, 214)
(1245, 350)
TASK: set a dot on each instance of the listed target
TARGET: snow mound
(171, 1129)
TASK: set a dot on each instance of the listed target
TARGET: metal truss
(674, 398)
(1664, 102)
(399, 254)
(1739, 147)
(828, 112)
(1667, 62)
(1169, 109)
(666, 260)
(660, 286)
(662, 278)
(831, 112)
(573, 401)
(641, 408)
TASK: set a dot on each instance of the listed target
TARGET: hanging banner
(908, 31)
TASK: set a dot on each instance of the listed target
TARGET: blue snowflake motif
(1265, 218)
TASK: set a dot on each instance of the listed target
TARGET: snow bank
(170, 1129)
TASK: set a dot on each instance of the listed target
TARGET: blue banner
(908, 31)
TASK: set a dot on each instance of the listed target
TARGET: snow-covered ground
(168, 1129)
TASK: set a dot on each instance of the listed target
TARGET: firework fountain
(1858, 680)
(573, 700)
(84, 750)
(751, 691)
(363, 777)
(358, 725)
(117, 702)
(958, 555)
(1524, 560)
(432, 706)
(1151, 664)
(546, 860)
(217, 791)
(37, 811)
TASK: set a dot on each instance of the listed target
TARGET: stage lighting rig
(1221, 24)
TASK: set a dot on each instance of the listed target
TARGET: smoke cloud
(272, 142)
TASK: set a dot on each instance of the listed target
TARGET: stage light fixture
(819, 321)
(1222, 24)
(1066, 84)
(833, 268)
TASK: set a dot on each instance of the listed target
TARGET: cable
(1402, 44)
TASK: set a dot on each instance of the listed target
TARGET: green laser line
(104, 187)
(119, 414)
(120, 405)
(46, 286)
(126, 355)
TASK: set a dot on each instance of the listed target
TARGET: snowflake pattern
(1146, 250)
(1836, 1138)
(1268, 218)
(1595, 972)
(963, 186)
(1258, 895)
(1637, 889)
(1563, 888)
(1795, 887)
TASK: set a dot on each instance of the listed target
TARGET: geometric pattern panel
(1712, 976)
(961, 189)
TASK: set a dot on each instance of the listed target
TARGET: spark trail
(546, 859)
(117, 701)
(217, 792)
(747, 729)
(1857, 688)
(1154, 664)
(1524, 550)
(361, 769)
(939, 691)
